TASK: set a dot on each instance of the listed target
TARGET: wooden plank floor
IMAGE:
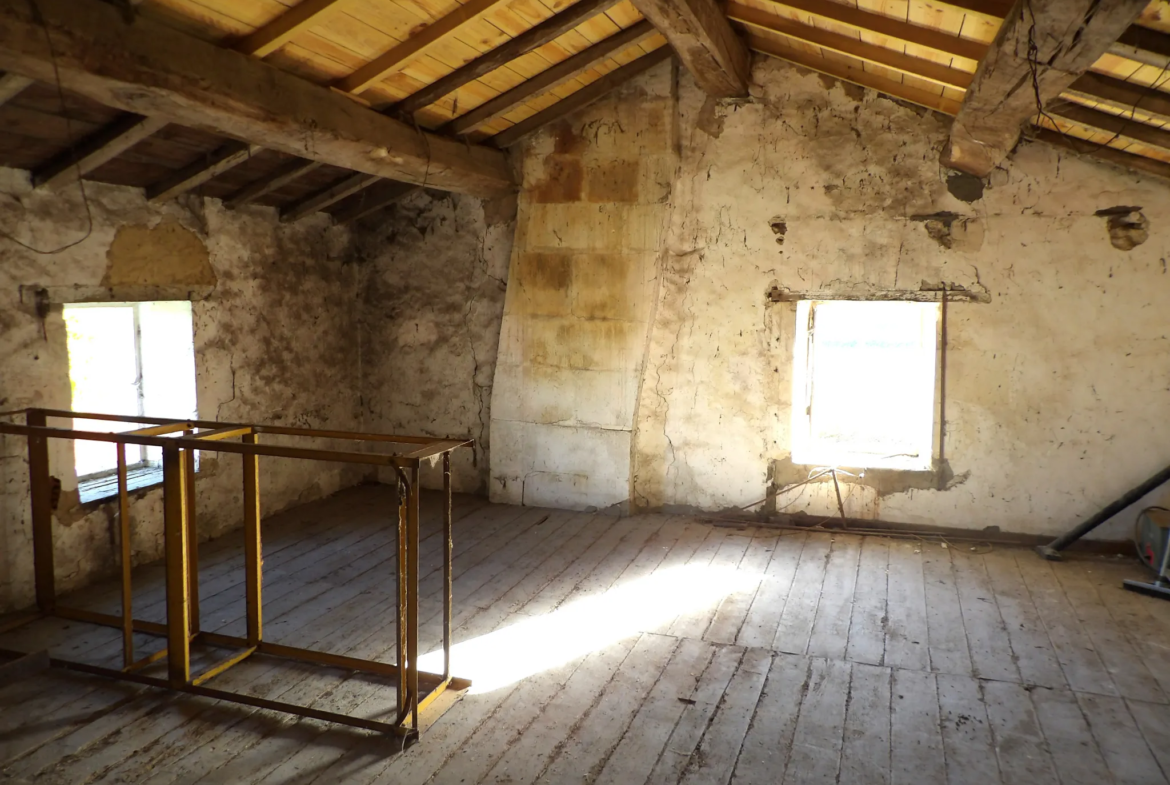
(652, 649)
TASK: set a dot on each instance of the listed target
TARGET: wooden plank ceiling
(490, 71)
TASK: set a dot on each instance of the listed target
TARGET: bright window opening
(864, 384)
(127, 358)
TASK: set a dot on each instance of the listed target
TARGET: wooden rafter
(278, 179)
(550, 78)
(548, 30)
(1109, 155)
(95, 150)
(372, 199)
(582, 97)
(327, 196)
(707, 46)
(199, 172)
(772, 48)
(414, 46)
(280, 31)
(1069, 36)
(847, 45)
(154, 70)
(12, 85)
(1125, 97)
(1143, 45)
(1124, 129)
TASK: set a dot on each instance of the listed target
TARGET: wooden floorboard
(780, 658)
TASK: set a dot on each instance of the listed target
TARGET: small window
(127, 358)
(864, 384)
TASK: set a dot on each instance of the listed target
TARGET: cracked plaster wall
(274, 342)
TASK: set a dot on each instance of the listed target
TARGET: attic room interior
(584, 391)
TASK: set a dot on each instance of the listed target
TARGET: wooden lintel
(1143, 45)
(12, 85)
(848, 45)
(414, 46)
(1011, 86)
(199, 172)
(372, 199)
(104, 145)
(151, 69)
(706, 45)
(327, 196)
(278, 179)
(582, 98)
(548, 79)
(548, 30)
(280, 31)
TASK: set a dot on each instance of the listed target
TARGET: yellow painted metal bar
(222, 666)
(124, 535)
(175, 534)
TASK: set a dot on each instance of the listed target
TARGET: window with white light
(130, 359)
(864, 384)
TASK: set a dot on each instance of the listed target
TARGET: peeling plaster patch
(779, 228)
(166, 253)
(965, 187)
(1128, 226)
(953, 231)
(710, 120)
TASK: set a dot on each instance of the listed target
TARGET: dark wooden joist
(327, 196)
(707, 46)
(280, 31)
(1143, 45)
(1124, 128)
(548, 30)
(1107, 154)
(1069, 36)
(1126, 97)
(199, 172)
(548, 79)
(278, 179)
(848, 45)
(582, 98)
(150, 69)
(95, 150)
(12, 85)
(369, 200)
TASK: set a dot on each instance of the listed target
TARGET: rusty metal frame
(180, 439)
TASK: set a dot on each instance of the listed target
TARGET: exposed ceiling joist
(95, 150)
(843, 44)
(1069, 35)
(278, 179)
(1123, 128)
(12, 85)
(414, 46)
(1107, 154)
(150, 69)
(199, 172)
(548, 30)
(707, 46)
(327, 196)
(548, 79)
(1143, 45)
(582, 98)
(867, 21)
(372, 199)
(280, 31)
(1127, 97)
(772, 48)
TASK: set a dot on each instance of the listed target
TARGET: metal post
(192, 539)
(448, 552)
(41, 496)
(124, 534)
(253, 553)
(400, 597)
(412, 593)
(175, 533)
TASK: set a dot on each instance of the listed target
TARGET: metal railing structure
(179, 440)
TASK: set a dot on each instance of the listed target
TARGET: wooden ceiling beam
(582, 98)
(707, 46)
(857, 76)
(550, 78)
(95, 150)
(1128, 97)
(1120, 127)
(199, 172)
(12, 85)
(870, 53)
(415, 46)
(278, 179)
(1107, 154)
(1069, 35)
(280, 31)
(326, 196)
(1143, 45)
(153, 70)
(548, 30)
(868, 21)
(372, 199)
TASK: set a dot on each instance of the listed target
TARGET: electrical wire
(40, 19)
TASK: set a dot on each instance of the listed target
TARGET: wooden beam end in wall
(707, 46)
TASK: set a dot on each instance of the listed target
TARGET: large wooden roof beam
(1068, 37)
(707, 46)
(153, 70)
